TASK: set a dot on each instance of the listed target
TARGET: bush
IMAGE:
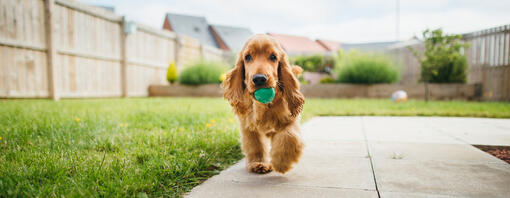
(302, 80)
(314, 63)
(442, 61)
(171, 74)
(327, 80)
(364, 68)
(202, 72)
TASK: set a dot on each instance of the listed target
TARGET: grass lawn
(148, 146)
(378, 107)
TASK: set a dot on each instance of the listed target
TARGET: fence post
(123, 58)
(177, 48)
(51, 52)
(202, 51)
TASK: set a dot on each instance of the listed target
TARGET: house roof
(232, 37)
(193, 26)
(298, 44)
(329, 45)
(373, 47)
(401, 44)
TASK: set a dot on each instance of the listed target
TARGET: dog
(262, 63)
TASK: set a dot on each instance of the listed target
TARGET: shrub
(202, 72)
(364, 68)
(171, 74)
(327, 80)
(442, 61)
(314, 63)
(302, 80)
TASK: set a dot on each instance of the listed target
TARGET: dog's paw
(260, 168)
(281, 167)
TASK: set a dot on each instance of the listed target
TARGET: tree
(171, 74)
(443, 60)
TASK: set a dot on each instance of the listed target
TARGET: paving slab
(382, 157)
(461, 153)
(443, 178)
(248, 190)
(333, 128)
(476, 131)
(335, 163)
(415, 195)
(405, 129)
(351, 173)
(334, 149)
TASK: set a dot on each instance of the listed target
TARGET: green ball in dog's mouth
(264, 95)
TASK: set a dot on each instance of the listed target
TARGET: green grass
(165, 150)
(169, 145)
(378, 107)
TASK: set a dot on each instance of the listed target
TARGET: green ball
(264, 95)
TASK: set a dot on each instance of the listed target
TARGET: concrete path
(382, 157)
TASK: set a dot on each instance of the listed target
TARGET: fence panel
(488, 59)
(189, 50)
(22, 49)
(92, 57)
(88, 52)
(149, 52)
(212, 53)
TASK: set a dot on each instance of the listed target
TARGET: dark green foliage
(327, 80)
(202, 72)
(314, 63)
(442, 61)
(302, 80)
(364, 68)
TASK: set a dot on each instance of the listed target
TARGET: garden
(163, 147)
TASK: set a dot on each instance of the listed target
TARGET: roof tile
(298, 44)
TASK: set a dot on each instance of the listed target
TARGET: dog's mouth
(255, 88)
(262, 97)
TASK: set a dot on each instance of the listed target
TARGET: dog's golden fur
(277, 121)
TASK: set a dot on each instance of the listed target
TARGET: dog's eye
(247, 58)
(272, 57)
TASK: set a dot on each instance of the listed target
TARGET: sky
(348, 21)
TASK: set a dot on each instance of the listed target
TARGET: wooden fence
(61, 48)
(488, 60)
(489, 64)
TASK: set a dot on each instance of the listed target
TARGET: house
(329, 45)
(299, 45)
(227, 38)
(368, 47)
(230, 38)
(414, 41)
(192, 26)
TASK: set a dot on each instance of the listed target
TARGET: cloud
(347, 20)
(383, 28)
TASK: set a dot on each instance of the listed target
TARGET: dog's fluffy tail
(297, 70)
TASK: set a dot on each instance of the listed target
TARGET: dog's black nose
(259, 79)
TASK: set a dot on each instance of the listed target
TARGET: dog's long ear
(233, 84)
(289, 86)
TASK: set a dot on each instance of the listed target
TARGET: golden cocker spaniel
(262, 63)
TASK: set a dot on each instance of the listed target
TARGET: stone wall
(437, 91)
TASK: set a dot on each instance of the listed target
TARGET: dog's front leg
(286, 148)
(255, 149)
